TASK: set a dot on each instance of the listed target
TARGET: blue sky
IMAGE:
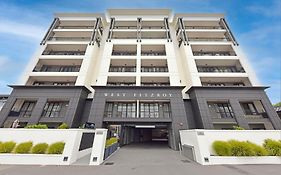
(255, 23)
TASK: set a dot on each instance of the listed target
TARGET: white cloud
(21, 29)
(271, 10)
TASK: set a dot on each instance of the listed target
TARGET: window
(55, 109)
(27, 108)
(220, 110)
(249, 108)
(122, 109)
(153, 110)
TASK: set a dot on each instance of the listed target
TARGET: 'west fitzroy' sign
(138, 95)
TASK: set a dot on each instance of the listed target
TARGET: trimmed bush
(63, 126)
(7, 147)
(273, 147)
(241, 148)
(111, 141)
(38, 126)
(39, 148)
(238, 128)
(23, 148)
(56, 148)
(258, 150)
(222, 148)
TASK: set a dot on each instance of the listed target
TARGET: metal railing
(37, 83)
(69, 39)
(74, 27)
(57, 69)
(125, 27)
(204, 27)
(153, 53)
(196, 53)
(120, 84)
(207, 39)
(121, 53)
(155, 84)
(219, 69)
(63, 52)
(153, 27)
(122, 69)
(154, 69)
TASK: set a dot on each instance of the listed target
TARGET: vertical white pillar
(98, 147)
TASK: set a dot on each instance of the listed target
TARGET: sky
(256, 24)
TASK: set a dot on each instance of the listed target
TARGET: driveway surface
(149, 159)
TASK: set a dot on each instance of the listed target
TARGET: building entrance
(133, 133)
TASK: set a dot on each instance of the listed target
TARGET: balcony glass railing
(122, 69)
(46, 83)
(155, 84)
(195, 53)
(153, 53)
(57, 69)
(121, 53)
(63, 52)
(222, 84)
(69, 39)
(207, 39)
(74, 27)
(125, 27)
(204, 27)
(154, 69)
(220, 69)
(120, 84)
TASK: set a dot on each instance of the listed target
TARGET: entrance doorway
(141, 134)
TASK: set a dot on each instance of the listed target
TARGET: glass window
(55, 109)
(220, 110)
(27, 108)
(249, 108)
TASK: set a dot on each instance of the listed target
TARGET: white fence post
(98, 147)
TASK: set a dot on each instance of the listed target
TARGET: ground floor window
(129, 109)
(55, 109)
(220, 110)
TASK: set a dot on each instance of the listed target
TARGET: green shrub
(273, 147)
(7, 147)
(241, 148)
(258, 150)
(23, 148)
(111, 141)
(38, 126)
(56, 148)
(222, 148)
(238, 128)
(40, 148)
(63, 126)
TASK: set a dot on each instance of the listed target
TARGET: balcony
(155, 81)
(65, 49)
(225, 81)
(205, 27)
(125, 25)
(48, 83)
(124, 50)
(122, 69)
(58, 68)
(121, 81)
(154, 69)
(213, 50)
(74, 24)
(153, 50)
(150, 25)
(69, 39)
(208, 39)
(153, 35)
(220, 69)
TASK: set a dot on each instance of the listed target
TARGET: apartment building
(144, 74)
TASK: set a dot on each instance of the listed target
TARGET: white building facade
(144, 74)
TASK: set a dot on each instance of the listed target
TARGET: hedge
(56, 148)
(39, 148)
(111, 141)
(38, 126)
(7, 147)
(273, 147)
(63, 126)
(246, 148)
(23, 148)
